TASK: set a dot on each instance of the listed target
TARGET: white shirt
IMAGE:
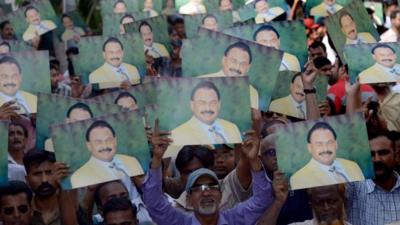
(312, 222)
(15, 170)
(389, 36)
(207, 129)
(298, 105)
(394, 71)
(120, 71)
(20, 101)
(328, 169)
(359, 40)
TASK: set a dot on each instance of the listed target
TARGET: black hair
(112, 40)
(124, 94)
(208, 16)
(97, 124)
(342, 14)
(205, 85)
(382, 45)
(240, 45)
(15, 187)
(117, 2)
(265, 27)
(144, 23)
(10, 60)
(126, 16)
(118, 204)
(18, 124)
(189, 152)
(321, 61)
(295, 76)
(3, 24)
(36, 156)
(97, 191)
(81, 106)
(219, 2)
(65, 16)
(30, 8)
(320, 126)
(317, 44)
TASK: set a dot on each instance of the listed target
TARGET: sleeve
(231, 182)
(351, 203)
(160, 210)
(250, 211)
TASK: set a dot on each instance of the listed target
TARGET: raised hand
(60, 171)
(280, 185)
(8, 111)
(160, 141)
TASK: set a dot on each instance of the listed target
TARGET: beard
(208, 207)
(45, 190)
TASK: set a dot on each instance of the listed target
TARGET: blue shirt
(245, 213)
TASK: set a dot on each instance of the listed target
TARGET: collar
(207, 127)
(116, 69)
(303, 103)
(387, 69)
(371, 186)
(11, 159)
(55, 213)
(326, 168)
(8, 98)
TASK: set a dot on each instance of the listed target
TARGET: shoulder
(130, 67)
(277, 10)
(347, 163)
(28, 95)
(280, 101)
(49, 24)
(317, 8)
(367, 36)
(217, 74)
(226, 123)
(132, 163)
(183, 127)
(97, 72)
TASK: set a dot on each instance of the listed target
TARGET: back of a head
(35, 157)
(119, 204)
(189, 152)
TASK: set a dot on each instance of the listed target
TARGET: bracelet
(310, 91)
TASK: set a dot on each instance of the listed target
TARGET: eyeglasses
(205, 187)
(270, 152)
(21, 208)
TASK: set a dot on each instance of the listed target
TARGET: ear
(104, 55)
(309, 147)
(188, 200)
(374, 57)
(191, 105)
(88, 146)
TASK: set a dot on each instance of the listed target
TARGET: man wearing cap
(326, 8)
(203, 191)
(385, 69)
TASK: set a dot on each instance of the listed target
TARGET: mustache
(326, 152)
(235, 71)
(9, 85)
(45, 186)
(116, 58)
(148, 39)
(208, 112)
(105, 150)
(301, 94)
(380, 165)
(387, 60)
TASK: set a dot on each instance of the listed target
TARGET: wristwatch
(310, 91)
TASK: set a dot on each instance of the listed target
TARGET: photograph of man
(294, 104)
(385, 69)
(205, 127)
(10, 84)
(324, 168)
(127, 18)
(7, 31)
(114, 70)
(104, 163)
(119, 7)
(126, 101)
(5, 48)
(154, 49)
(193, 7)
(349, 29)
(325, 8)
(210, 22)
(236, 62)
(267, 35)
(72, 33)
(36, 26)
(77, 112)
(264, 13)
(148, 7)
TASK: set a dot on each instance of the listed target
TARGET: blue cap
(196, 175)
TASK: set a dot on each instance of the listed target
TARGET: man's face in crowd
(224, 161)
(383, 156)
(16, 138)
(330, 2)
(396, 22)
(328, 206)
(4, 49)
(124, 217)
(78, 114)
(316, 52)
(102, 144)
(41, 179)
(112, 190)
(8, 32)
(268, 38)
(205, 105)
(327, 70)
(385, 57)
(261, 7)
(120, 8)
(15, 210)
(225, 5)
(10, 79)
(113, 54)
(349, 27)
(236, 63)
(268, 154)
(296, 90)
(205, 202)
(67, 23)
(33, 17)
(54, 77)
(210, 23)
(147, 35)
(323, 146)
(127, 103)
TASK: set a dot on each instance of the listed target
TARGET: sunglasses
(270, 152)
(10, 210)
(205, 187)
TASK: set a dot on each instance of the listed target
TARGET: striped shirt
(369, 204)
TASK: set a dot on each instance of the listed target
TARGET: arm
(308, 78)
(280, 186)
(353, 92)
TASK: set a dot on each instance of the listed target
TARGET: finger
(249, 132)
(156, 127)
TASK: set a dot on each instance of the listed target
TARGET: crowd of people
(224, 183)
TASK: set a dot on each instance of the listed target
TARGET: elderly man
(267, 35)
(10, 83)
(205, 127)
(114, 72)
(349, 29)
(324, 168)
(385, 69)
(293, 104)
